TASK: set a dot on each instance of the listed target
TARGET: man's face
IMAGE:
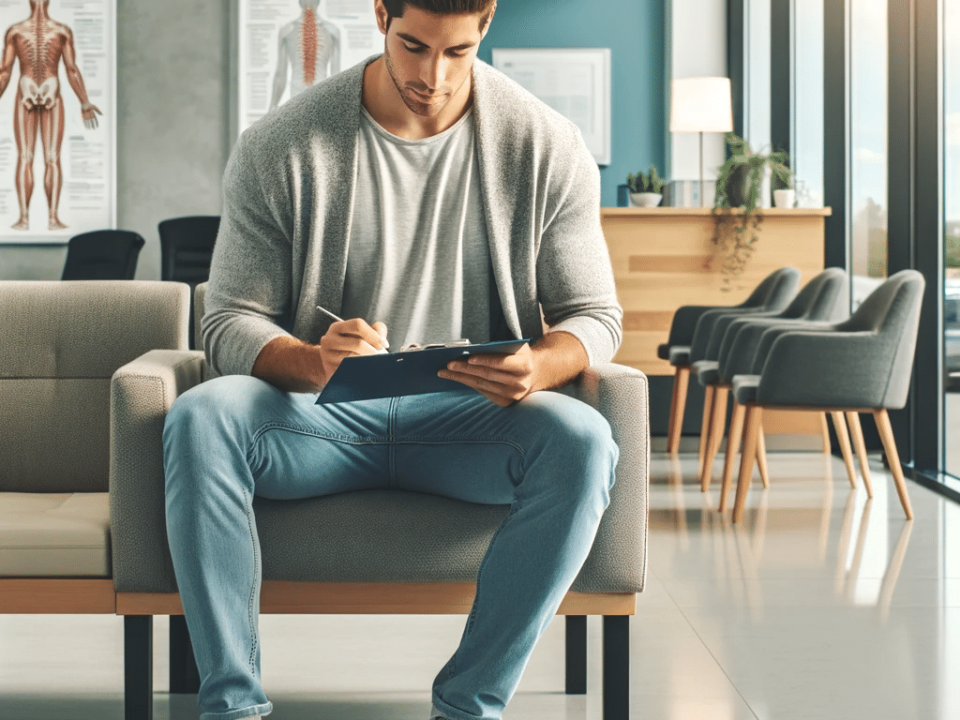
(429, 56)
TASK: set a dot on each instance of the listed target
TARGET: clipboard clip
(453, 343)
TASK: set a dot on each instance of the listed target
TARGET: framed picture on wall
(573, 81)
(58, 119)
(282, 47)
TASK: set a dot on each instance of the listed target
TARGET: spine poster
(285, 46)
(57, 119)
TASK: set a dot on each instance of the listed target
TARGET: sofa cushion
(54, 534)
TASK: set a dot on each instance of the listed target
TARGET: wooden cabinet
(665, 257)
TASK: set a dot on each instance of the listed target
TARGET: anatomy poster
(57, 119)
(285, 46)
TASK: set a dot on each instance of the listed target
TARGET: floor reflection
(810, 522)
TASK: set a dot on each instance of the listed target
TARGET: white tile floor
(820, 606)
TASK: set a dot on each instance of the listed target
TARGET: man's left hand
(504, 379)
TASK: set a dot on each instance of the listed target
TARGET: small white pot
(645, 199)
(785, 198)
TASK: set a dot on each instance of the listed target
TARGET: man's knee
(579, 436)
(212, 407)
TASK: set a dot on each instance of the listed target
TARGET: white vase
(645, 199)
(785, 198)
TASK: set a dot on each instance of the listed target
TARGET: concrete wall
(172, 135)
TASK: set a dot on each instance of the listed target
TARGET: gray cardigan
(287, 200)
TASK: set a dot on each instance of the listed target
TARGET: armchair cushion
(54, 535)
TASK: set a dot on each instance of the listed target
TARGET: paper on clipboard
(414, 372)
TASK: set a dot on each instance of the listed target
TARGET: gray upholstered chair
(860, 365)
(60, 343)
(383, 551)
(783, 285)
(736, 337)
(774, 291)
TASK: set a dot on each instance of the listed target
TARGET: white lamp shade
(701, 104)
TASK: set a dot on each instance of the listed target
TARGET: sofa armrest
(619, 555)
(141, 394)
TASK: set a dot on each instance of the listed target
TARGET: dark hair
(444, 7)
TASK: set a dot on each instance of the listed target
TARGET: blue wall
(634, 31)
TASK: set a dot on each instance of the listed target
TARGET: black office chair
(186, 248)
(102, 255)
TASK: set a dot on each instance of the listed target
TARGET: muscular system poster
(57, 119)
(285, 46)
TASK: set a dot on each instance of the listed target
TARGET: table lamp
(701, 104)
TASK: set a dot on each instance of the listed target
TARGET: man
(307, 48)
(424, 192)
(39, 43)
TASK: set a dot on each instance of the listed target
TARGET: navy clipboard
(413, 372)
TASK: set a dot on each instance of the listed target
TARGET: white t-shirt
(418, 258)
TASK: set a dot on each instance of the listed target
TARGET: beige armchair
(375, 558)
(60, 343)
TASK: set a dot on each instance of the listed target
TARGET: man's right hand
(295, 366)
(351, 337)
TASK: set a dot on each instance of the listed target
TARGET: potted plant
(645, 190)
(740, 184)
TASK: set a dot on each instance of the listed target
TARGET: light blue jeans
(550, 457)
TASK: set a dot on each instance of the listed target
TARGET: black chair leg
(576, 636)
(616, 667)
(184, 676)
(138, 667)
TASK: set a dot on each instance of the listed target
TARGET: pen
(340, 319)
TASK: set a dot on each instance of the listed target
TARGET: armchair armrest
(141, 394)
(742, 341)
(771, 334)
(825, 369)
(619, 554)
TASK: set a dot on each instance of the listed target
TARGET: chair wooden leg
(890, 448)
(678, 402)
(762, 458)
(733, 446)
(184, 676)
(754, 417)
(616, 667)
(825, 433)
(840, 425)
(708, 397)
(715, 429)
(576, 641)
(856, 432)
(138, 667)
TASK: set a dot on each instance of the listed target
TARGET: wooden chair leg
(733, 446)
(714, 435)
(754, 417)
(708, 396)
(576, 641)
(890, 448)
(616, 667)
(856, 432)
(825, 433)
(678, 402)
(762, 458)
(138, 667)
(840, 425)
(184, 676)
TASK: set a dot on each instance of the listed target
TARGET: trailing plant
(649, 183)
(739, 185)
